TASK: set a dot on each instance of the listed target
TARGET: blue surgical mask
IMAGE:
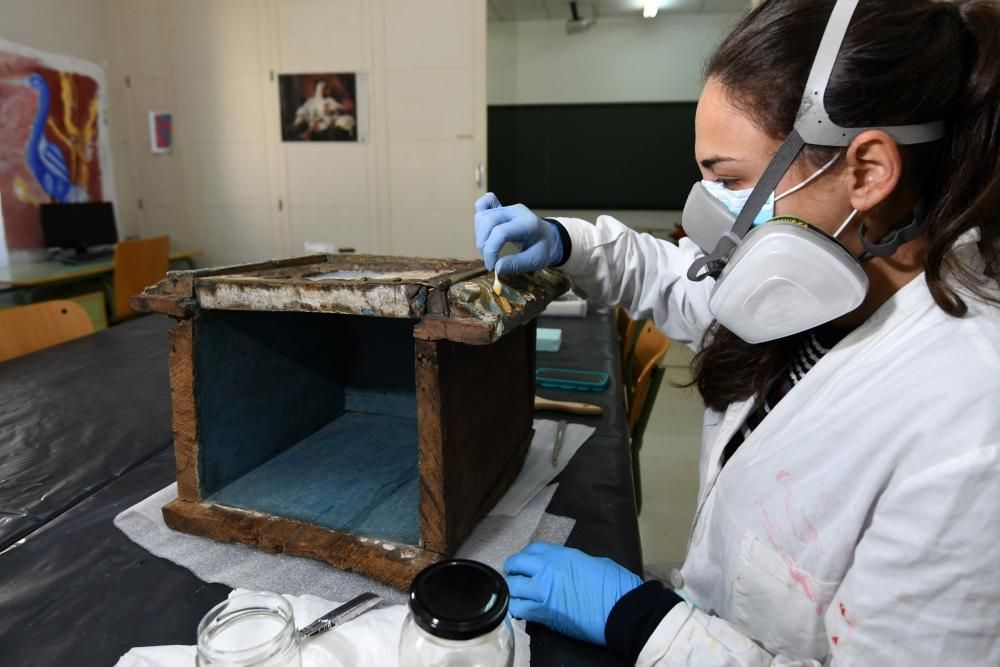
(735, 200)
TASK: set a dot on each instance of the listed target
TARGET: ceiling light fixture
(650, 8)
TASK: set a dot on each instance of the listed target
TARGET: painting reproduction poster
(161, 131)
(323, 107)
(54, 146)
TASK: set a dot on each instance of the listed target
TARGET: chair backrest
(138, 264)
(628, 334)
(31, 328)
(650, 348)
(632, 332)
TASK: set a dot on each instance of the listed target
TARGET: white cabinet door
(220, 86)
(435, 101)
(144, 36)
(328, 186)
(233, 188)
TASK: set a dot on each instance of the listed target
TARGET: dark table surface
(85, 434)
(77, 416)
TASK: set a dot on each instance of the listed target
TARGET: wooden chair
(138, 264)
(31, 328)
(650, 348)
(628, 334)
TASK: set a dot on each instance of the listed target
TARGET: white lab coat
(859, 524)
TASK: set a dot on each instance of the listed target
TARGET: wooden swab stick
(567, 406)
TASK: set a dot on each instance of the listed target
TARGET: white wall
(232, 188)
(82, 29)
(616, 60)
(435, 114)
(330, 188)
(206, 63)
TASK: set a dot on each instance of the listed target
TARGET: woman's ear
(874, 168)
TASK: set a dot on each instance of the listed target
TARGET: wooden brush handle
(568, 406)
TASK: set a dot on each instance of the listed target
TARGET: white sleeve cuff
(663, 637)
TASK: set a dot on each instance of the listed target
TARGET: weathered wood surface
(472, 364)
(375, 299)
(184, 410)
(475, 411)
(522, 298)
(394, 564)
(399, 287)
(433, 517)
(437, 327)
(174, 295)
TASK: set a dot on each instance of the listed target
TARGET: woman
(849, 502)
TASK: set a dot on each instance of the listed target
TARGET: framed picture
(161, 131)
(323, 107)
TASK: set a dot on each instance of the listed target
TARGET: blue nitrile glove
(566, 589)
(538, 239)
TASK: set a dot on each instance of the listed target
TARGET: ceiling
(533, 10)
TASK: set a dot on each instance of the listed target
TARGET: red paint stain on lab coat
(836, 640)
(843, 613)
(801, 526)
(801, 579)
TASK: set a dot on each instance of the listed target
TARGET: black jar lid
(458, 599)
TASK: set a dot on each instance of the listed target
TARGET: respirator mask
(775, 277)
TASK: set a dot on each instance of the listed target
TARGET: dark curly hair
(902, 62)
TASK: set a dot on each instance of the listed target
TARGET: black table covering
(79, 592)
(76, 591)
(76, 416)
(596, 487)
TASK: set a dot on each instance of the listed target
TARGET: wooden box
(365, 411)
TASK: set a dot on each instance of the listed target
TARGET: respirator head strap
(715, 261)
(813, 125)
(813, 121)
(768, 182)
(897, 236)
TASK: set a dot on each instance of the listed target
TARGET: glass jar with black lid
(457, 617)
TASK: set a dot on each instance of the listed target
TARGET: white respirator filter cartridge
(786, 278)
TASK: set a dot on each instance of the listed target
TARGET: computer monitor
(78, 226)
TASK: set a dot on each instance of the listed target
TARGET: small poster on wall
(323, 107)
(161, 131)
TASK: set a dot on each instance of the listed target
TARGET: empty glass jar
(457, 618)
(249, 630)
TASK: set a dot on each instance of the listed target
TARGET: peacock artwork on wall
(53, 147)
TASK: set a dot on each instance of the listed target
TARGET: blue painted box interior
(312, 417)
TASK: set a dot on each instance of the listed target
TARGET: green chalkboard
(593, 156)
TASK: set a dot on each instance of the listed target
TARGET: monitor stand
(83, 255)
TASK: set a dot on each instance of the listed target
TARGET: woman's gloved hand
(566, 589)
(538, 239)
